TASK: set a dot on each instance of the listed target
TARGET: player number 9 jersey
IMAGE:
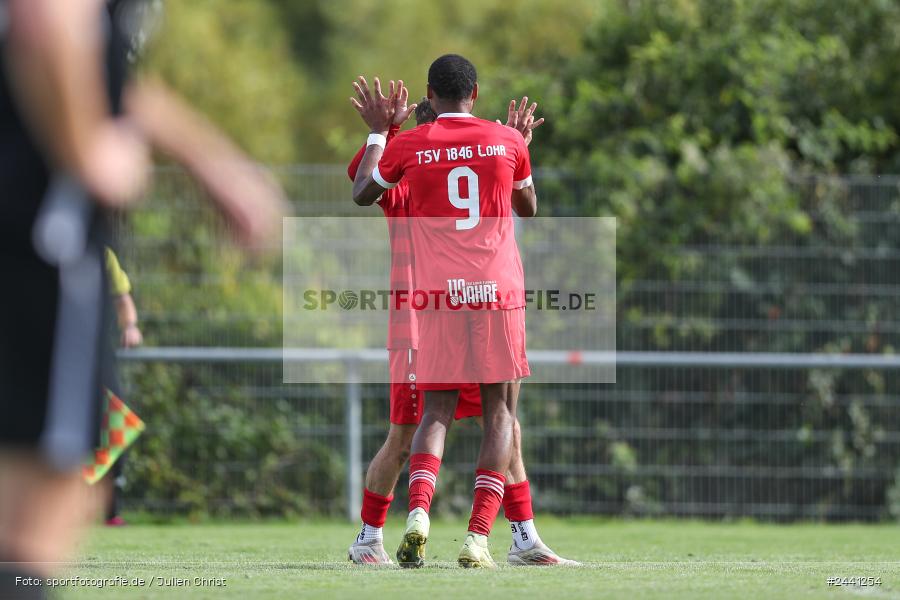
(461, 171)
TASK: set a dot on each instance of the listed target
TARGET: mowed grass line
(623, 559)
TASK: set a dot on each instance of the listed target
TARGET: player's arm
(127, 317)
(54, 58)
(354, 164)
(366, 190)
(524, 201)
(126, 311)
(379, 113)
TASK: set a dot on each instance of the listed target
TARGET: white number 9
(471, 202)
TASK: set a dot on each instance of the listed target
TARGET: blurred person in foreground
(74, 145)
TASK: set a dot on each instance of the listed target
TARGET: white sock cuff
(368, 533)
(524, 534)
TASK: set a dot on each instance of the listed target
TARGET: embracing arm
(381, 114)
(365, 189)
(524, 198)
(354, 164)
(524, 201)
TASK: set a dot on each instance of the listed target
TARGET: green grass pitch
(622, 559)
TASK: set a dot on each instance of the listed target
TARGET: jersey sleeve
(522, 175)
(390, 168)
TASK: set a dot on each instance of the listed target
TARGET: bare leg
(516, 472)
(498, 402)
(440, 406)
(42, 511)
(384, 470)
(381, 478)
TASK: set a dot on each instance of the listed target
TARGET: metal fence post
(353, 422)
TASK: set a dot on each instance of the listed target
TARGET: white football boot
(538, 555)
(369, 553)
(475, 554)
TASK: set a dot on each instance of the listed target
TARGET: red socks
(517, 502)
(488, 496)
(423, 472)
(375, 508)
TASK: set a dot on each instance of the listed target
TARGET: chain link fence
(694, 425)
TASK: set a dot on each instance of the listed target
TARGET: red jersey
(461, 171)
(402, 332)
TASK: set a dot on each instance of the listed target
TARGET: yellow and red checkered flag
(118, 430)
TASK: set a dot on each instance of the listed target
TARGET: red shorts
(458, 347)
(469, 403)
(406, 399)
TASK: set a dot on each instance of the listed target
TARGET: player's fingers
(392, 88)
(523, 105)
(410, 110)
(364, 87)
(510, 113)
(537, 123)
(404, 92)
(378, 90)
(356, 104)
(499, 122)
(359, 92)
(531, 109)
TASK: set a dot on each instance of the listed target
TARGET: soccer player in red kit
(470, 174)
(405, 400)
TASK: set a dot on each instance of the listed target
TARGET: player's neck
(452, 107)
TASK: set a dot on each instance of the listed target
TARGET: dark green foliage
(714, 131)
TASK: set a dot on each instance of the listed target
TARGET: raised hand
(375, 109)
(402, 112)
(522, 119)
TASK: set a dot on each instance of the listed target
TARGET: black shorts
(54, 354)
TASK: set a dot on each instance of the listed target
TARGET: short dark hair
(424, 112)
(452, 77)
